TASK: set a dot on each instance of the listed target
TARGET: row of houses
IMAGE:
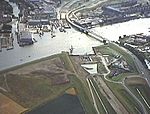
(126, 8)
(137, 39)
(44, 12)
(50, 2)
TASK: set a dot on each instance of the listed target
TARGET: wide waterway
(47, 46)
(112, 32)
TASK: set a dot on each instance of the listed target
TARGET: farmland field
(8, 106)
(49, 80)
(35, 83)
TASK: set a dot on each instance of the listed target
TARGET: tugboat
(71, 49)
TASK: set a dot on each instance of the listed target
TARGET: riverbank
(46, 46)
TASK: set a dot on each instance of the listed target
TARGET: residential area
(33, 17)
(107, 14)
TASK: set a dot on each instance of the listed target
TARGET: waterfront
(82, 44)
(45, 46)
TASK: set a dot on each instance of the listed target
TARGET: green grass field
(145, 91)
(124, 97)
(106, 50)
(101, 68)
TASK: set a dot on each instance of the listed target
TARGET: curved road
(85, 30)
(139, 65)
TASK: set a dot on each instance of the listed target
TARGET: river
(112, 32)
(82, 44)
(45, 46)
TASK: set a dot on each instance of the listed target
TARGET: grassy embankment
(136, 85)
(76, 82)
(113, 50)
(124, 97)
(105, 102)
(29, 63)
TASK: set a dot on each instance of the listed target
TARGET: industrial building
(6, 37)
(25, 38)
(42, 10)
(6, 40)
(37, 23)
